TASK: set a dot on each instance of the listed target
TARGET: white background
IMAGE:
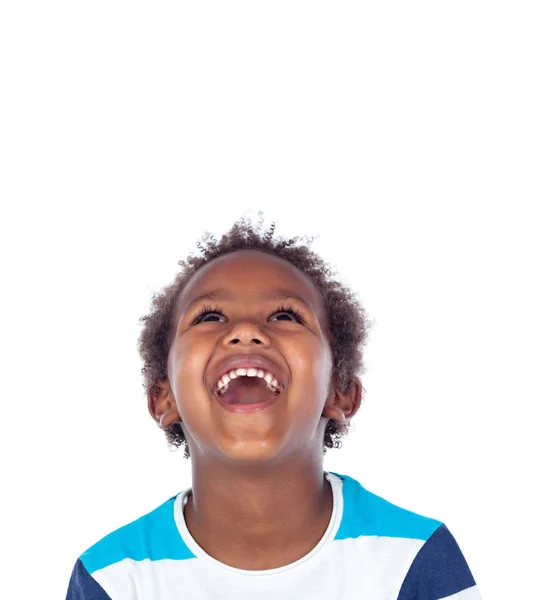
(401, 133)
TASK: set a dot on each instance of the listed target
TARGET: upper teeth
(272, 383)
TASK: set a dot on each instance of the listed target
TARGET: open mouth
(247, 387)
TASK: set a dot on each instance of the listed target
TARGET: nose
(247, 333)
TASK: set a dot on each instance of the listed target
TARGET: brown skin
(260, 500)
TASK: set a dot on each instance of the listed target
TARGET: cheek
(186, 367)
(312, 368)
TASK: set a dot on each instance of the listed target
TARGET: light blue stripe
(365, 513)
(153, 536)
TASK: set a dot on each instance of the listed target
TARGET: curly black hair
(347, 320)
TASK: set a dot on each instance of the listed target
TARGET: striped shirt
(371, 550)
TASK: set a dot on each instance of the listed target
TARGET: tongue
(247, 390)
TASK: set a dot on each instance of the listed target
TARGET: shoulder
(108, 568)
(152, 536)
(367, 514)
(433, 565)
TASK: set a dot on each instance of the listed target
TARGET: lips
(247, 361)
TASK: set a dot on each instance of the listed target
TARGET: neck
(259, 518)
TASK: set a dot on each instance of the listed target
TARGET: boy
(251, 359)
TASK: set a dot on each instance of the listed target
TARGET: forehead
(252, 275)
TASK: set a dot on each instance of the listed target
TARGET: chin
(253, 451)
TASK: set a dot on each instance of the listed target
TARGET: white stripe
(471, 593)
(369, 567)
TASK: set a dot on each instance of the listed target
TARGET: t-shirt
(371, 550)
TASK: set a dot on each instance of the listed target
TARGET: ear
(161, 404)
(341, 407)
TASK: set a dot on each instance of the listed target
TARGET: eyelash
(205, 310)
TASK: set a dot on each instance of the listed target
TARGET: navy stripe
(439, 569)
(83, 587)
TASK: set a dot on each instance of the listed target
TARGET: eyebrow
(278, 294)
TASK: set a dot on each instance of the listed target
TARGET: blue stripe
(438, 571)
(82, 586)
(365, 513)
(153, 536)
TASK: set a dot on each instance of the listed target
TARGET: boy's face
(249, 287)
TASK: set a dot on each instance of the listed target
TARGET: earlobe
(340, 416)
(168, 418)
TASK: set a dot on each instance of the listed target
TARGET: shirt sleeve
(83, 587)
(439, 572)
